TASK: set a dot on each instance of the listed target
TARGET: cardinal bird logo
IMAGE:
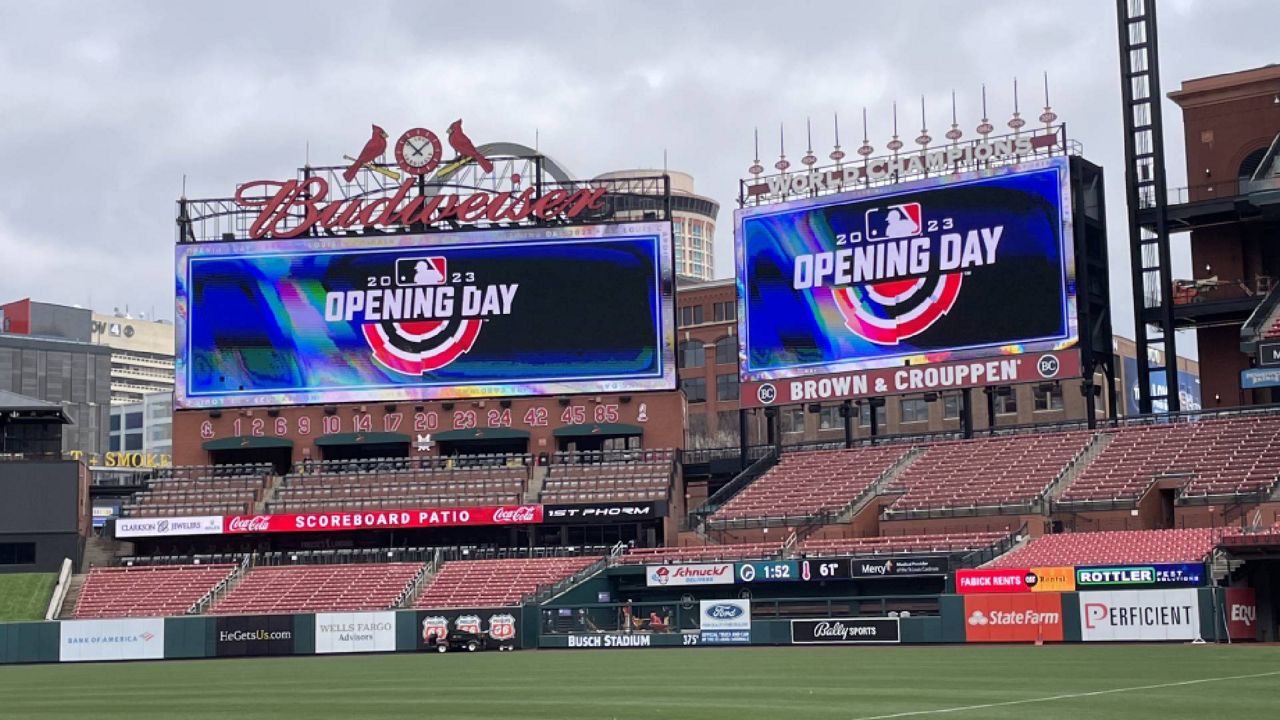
(373, 149)
(459, 141)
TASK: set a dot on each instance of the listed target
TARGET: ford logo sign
(724, 611)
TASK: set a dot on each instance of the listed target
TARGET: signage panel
(690, 574)
(725, 622)
(1140, 615)
(1013, 618)
(117, 639)
(355, 632)
(845, 631)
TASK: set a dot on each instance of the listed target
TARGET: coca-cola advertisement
(845, 631)
(384, 519)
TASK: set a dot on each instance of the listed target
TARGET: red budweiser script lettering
(410, 518)
(306, 202)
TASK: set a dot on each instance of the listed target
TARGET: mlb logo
(432, 270)
(894, 221)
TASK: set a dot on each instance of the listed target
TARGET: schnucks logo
(422, 314)
(724, 611)
(901, 272)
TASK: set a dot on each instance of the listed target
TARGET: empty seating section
(1121, 546)
(152, 591)
(638, 475)
(1212, 457)
(811, 483)
(491, 583)
(995, 471)
(318, 588)
(1273, 332)
(421, 482)
(700, 553)
(201, 490)
(903, 544)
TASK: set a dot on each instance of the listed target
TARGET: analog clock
(418, 151)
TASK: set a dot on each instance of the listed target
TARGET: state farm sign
(1013, 618)
(700, 574)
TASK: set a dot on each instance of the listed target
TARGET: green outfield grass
(1084, 682)
(25, 596)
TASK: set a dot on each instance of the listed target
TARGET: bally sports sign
(956, 271)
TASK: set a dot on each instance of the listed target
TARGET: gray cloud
(105, 107)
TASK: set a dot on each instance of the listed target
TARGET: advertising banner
(543, 311)
(1013, 618)
(993, 580)
(1139, 615)
(725, 622)
(961, 267)
(383, 519)
(168, 527)
(768, 571)
(1134, 577)
(1256, 378)
(1054, 579)
(355, 632)
(845, 631)
(1269, 354)
(593, 641)
(819, 569)
(600, 513)
(695, 574)
(242, 635)
(899, 567)
(1242, 613)
(501, 624)
(122, 639)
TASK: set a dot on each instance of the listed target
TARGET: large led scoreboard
(961, 280)
(488, 313)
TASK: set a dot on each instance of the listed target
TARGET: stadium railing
(698, 517)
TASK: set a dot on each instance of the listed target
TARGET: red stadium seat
(489, 583)
(701, 553)
(903, 544)
(147, 591)
(318, 588)
(1107, 548)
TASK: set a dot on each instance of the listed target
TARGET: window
(727, 350)
(695, 229)
(725, 311)
(113, 444)
(829, 418)
(17, 553)
(864, 416)
(951, 407)
(133, 420)
(695, 389)
(727, 387)
(692, 354)
(132, 441)
(1048, 397)
(1006, 404)
(792, 420)
(692, 315)
(914, 410)
(115, 422)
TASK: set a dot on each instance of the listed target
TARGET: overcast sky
(105, 106)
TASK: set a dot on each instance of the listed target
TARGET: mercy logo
(900, 272)
(421, 317)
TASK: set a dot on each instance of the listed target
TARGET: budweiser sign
(298, 207)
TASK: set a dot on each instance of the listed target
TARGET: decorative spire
(809, 158)
(865, 149)
(1016, 122)
(782, 163)
(923, 139)
(1048, 116)
(895, 144)
(985, 128)
(756, 168)
(837, 154)
(955, 133)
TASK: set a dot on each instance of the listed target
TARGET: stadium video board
(418, 317)
(963, 267)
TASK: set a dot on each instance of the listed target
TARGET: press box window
(727, 387)
(950, 407)
(914, 410)
(1006, 404)
(1048, 397)
(792, 420)
(725, 311)
(829, 418)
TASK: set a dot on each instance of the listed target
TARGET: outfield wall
(1179, 615)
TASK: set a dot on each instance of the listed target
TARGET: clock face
(418, 151)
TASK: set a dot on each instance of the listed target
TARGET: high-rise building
(693, 223)
(141, 358)
(45, 354)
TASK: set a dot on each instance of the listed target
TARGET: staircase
(73, 595)
(1073, 469)
(268, 494)
(102, 552)
(537, 478)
